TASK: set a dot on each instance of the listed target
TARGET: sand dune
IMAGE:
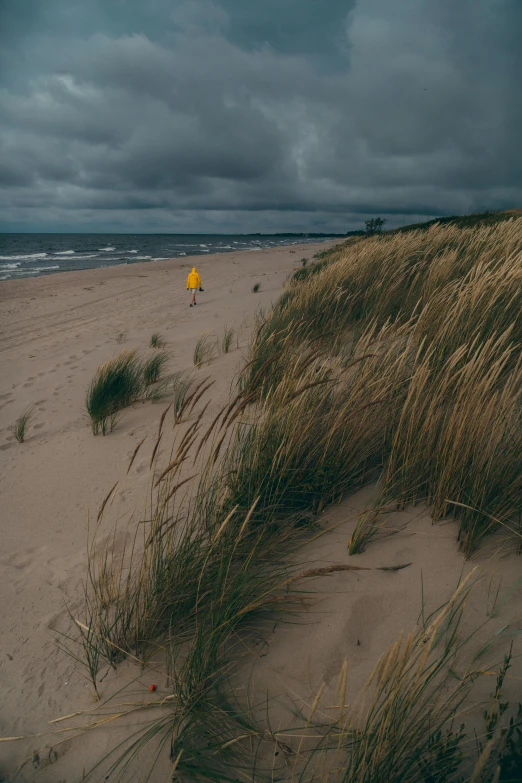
(55, 332)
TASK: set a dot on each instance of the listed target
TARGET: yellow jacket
(194, 280)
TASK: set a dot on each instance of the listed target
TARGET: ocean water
(29, 255)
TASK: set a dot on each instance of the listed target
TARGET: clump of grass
(304, 261)
(116, 384)
(153, 367)
(21, 424)
(120, 382)
(228, 336)
(183, 384)
(157, 341)
(121, 337)
(205, 349)
(256, 287)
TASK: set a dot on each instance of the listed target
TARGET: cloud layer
(231, 116)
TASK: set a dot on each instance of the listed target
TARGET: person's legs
(193, 297)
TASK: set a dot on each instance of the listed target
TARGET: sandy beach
(55, 331)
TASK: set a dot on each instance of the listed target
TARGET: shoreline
(176, 262)
(155, 249)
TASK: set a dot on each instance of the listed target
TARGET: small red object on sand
(152, 688)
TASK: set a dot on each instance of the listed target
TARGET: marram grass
(20, 426)
(454, 432)
(120, 382)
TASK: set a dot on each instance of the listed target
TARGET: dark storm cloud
(283, 115)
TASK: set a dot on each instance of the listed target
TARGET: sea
(30, 255)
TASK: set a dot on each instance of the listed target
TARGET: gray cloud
(220, 115)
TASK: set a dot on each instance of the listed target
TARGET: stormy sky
(266, 115)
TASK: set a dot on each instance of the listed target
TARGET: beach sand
(55, 331)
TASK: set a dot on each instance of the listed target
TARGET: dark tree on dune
(374, 226)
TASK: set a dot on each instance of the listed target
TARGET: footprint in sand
(6, 396)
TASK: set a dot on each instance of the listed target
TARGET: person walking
(193, 284)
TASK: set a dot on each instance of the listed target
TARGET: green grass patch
(20, 426)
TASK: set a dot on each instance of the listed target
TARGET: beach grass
(205, 349)
(116, 384)
(183, 384)
(256, 287)
(157, 341)
(227, 338)
(20, 426)
(409, 724)
(195, 572)
(449, 301)
(154, 367)
(121, 382)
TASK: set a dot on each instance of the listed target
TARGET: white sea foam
(64, 253)
(30, 257)
(133, 251)
(43, 268)
(108, 249)
(4, 267)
